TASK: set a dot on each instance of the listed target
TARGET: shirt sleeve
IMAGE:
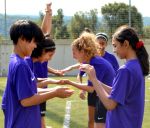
(120, 86)
(24, 82)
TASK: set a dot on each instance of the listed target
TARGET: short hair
(27, 30)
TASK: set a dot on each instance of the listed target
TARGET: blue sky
(32, 7)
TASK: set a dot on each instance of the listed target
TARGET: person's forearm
(47, 20)
(46, 82)
(53, 71)
(82, 86)
(38, 98)
(103, 94)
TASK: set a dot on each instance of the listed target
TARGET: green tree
(116, 14)
(59, 29)
(146, 32)
(80, 20)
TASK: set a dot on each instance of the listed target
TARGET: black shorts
(43, 108)
(92, 99)
(100, 112)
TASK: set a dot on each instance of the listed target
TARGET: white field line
(67, 115)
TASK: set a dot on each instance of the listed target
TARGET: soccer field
(75, 114)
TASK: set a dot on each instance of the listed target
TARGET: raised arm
(47, 20)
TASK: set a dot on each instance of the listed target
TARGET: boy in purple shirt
(125, 99)
(21, 99)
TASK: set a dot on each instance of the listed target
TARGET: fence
(61, 59)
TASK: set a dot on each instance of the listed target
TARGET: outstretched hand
(64, 82)
(64, 92)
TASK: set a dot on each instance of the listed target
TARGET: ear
(126, 43)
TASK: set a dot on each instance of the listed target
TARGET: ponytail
(143, 58)
(129, 34)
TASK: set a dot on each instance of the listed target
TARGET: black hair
(46, 45)
(129, 34)
(27, 30)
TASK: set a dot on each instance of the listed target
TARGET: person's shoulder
(99, 60)
(110, 54)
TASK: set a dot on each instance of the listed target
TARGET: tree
(80, 20)
(59, 29)
(146, 33)
(116, 14)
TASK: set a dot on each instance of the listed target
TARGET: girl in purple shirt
(125, 99)
(84, 50)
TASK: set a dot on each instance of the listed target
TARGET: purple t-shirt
(30, 63)
(40, 69)
(104, 71)
(112, 60)
(21, 84)
(128, 91)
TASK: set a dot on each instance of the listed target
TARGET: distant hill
(67, 19)
(12, 18)
(146, 21)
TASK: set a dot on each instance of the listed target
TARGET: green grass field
(78, 114)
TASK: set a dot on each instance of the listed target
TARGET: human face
(102, 44)
(46, 56)
(26, 47)
(119, 49)
(78, 55)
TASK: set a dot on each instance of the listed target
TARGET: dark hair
(129, 34)
(46, 45)
(27, 30)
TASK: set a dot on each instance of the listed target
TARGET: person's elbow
(27, 102)
(111, 105)
(91, 90)
(24, 103)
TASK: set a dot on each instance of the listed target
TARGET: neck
(131, 55)
(102, 53)
(18, 51)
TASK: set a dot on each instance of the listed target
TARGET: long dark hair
(129, 34)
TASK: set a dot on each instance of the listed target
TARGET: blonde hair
(87, 43)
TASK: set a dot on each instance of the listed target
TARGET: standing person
(102, 40)
(125, 99)
(85, 51)
(41, 69)
(21, 100)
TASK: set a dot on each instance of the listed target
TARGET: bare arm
(41, 97)
(101, 89)
(46, 82)
(70, 68)
(47, 20)
(103, 94)
(55, 71)
(80, 85)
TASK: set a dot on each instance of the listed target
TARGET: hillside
(12, 18)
